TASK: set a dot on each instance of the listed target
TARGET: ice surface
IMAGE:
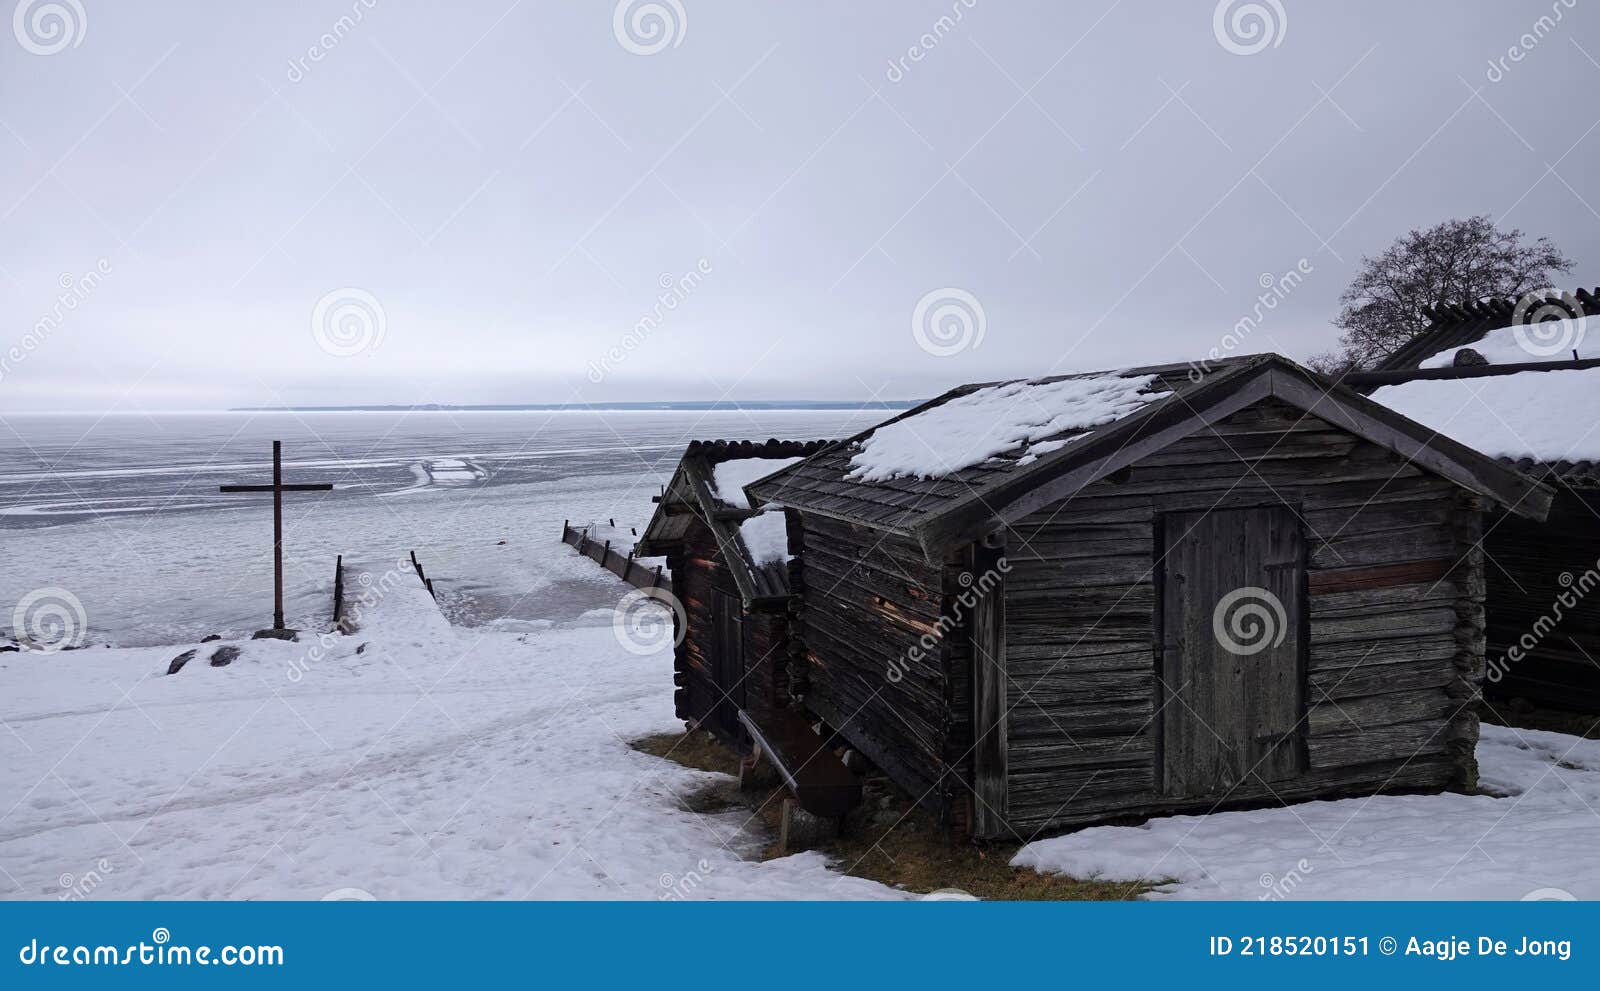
(123, 511)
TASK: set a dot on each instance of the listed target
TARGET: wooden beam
(819, 780)
(1468, 468)
(1372, 380)
(990, 784)
(727, 538)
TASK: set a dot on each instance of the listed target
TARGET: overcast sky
(484, 199)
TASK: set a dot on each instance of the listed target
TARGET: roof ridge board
(718, 451)
(1400, 376)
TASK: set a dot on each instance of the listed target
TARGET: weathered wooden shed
(730, 574)
(1040, 604)
(1528, 394)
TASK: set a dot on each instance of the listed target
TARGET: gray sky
(513, 185)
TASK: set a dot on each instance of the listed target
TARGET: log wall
(1393, 631)
(1544, 605)
(697, 573)
(864, 602)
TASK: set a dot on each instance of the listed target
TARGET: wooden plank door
(727, 661)
(1232, 674)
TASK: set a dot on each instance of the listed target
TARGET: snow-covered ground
(1537, 838)
(436, 763)
(490, 760)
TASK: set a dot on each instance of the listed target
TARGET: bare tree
(1454, 262)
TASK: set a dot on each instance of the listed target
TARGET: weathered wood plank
(989, 702)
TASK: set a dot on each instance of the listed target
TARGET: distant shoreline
(683, 407)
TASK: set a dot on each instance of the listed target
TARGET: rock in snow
(179, 661)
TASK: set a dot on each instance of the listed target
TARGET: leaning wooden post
(277, 535)
(338, 592)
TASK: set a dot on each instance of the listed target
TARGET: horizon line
(686, 405)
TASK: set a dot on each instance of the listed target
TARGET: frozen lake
(123, 511)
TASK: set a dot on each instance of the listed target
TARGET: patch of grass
(903, 847)
(700, 751)
(887, 839)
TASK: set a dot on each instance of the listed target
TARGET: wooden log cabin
(1520, 380)
(732, 581)
(1037, 605)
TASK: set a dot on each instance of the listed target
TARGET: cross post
(277, 488)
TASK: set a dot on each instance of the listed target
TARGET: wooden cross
(277, 488)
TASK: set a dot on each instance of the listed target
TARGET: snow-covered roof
(766, 536)
(981, 455)
(1454, 326)
(1025, 419)
(1552, 340)
(729, 478)
(1544, 416)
